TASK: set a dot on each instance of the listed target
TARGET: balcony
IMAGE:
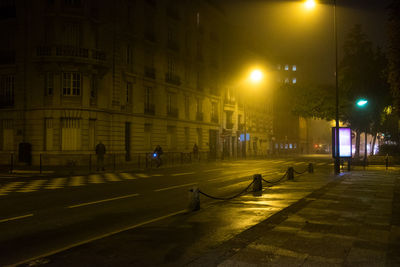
(71, 53)
(214, 118)
(149, 109)
(172, 112)
(229, 125)
(199, 116)
(172, 78)
(150, 72)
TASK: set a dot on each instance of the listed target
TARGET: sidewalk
(315, 220)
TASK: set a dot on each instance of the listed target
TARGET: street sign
(344, 142)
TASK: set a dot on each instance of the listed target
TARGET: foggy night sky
(289, 34)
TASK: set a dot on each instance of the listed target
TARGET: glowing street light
(309, 4)
(256, 76)
(361, 102)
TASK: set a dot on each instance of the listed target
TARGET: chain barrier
(228, 198)
(276, 181)
(300, 173)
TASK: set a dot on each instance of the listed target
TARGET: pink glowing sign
(344, 142)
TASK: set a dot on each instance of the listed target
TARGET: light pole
(310, 4)
(362, 103)
(256, 76)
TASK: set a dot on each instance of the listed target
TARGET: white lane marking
(95, 179)
(112, 177)
(142, 175)
(100, 201)
(32, 186)
(97, 238)
(213, 170)
(173, 187)
(4, 190)
(184, 173)
(56, 183)
(127, 176)
(16, 218)
(76, 181)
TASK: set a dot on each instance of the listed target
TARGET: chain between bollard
(276, 181)
(228, 198)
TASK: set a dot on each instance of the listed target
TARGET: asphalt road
(41, 215)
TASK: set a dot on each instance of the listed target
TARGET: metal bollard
(290, 173)
(257, 185)
(310, 168)
(194, 199)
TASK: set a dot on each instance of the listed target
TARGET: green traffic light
(362, 102)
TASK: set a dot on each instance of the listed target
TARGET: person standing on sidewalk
(195, 152)
(100, 151)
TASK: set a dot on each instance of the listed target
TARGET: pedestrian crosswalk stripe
(111, 177)
(32, 186)
(56, 183)
(142, 175)
(9, 187)
(127, 176)
(95, 179)
(76, 181)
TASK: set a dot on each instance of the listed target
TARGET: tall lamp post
(255, 77)
(362, 103)
(310, 4)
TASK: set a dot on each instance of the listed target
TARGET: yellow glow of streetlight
(309, 4)
(256, 76)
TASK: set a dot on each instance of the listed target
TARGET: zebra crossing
(73, 181)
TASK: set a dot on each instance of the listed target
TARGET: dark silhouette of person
(158, 152)
(100, 152)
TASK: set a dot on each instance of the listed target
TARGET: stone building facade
(132, 74)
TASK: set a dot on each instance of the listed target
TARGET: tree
(394, 52)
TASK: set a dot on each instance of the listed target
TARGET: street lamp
(362, 103)
(256, 76)
(310, 4)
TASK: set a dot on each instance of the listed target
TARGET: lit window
(286, 80)
(294, 68)
(294, 80)
(290, 146)
(286, 67)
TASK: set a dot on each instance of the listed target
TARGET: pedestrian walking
(100, 152)
(157, 155)
(195, 152)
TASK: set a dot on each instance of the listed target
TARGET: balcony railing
(150, 72)
(149, 109)
(70, 51)
(229, 125)
(172, 112)
(199, 116)
(172, 78)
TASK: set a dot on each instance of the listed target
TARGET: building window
(129, 55)
(72, 83)
(198, 105)
(286, 67)
(148, 100)
(214, 112)
(7, 85)
(128, 93)
(294, 68)
(70, 134)
(286, 80)
(72, 34)
(294, 80)
(187, 137)
(49, 84)
(93, 90)
(171, 66)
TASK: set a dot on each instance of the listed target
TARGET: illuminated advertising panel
(344, 142)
